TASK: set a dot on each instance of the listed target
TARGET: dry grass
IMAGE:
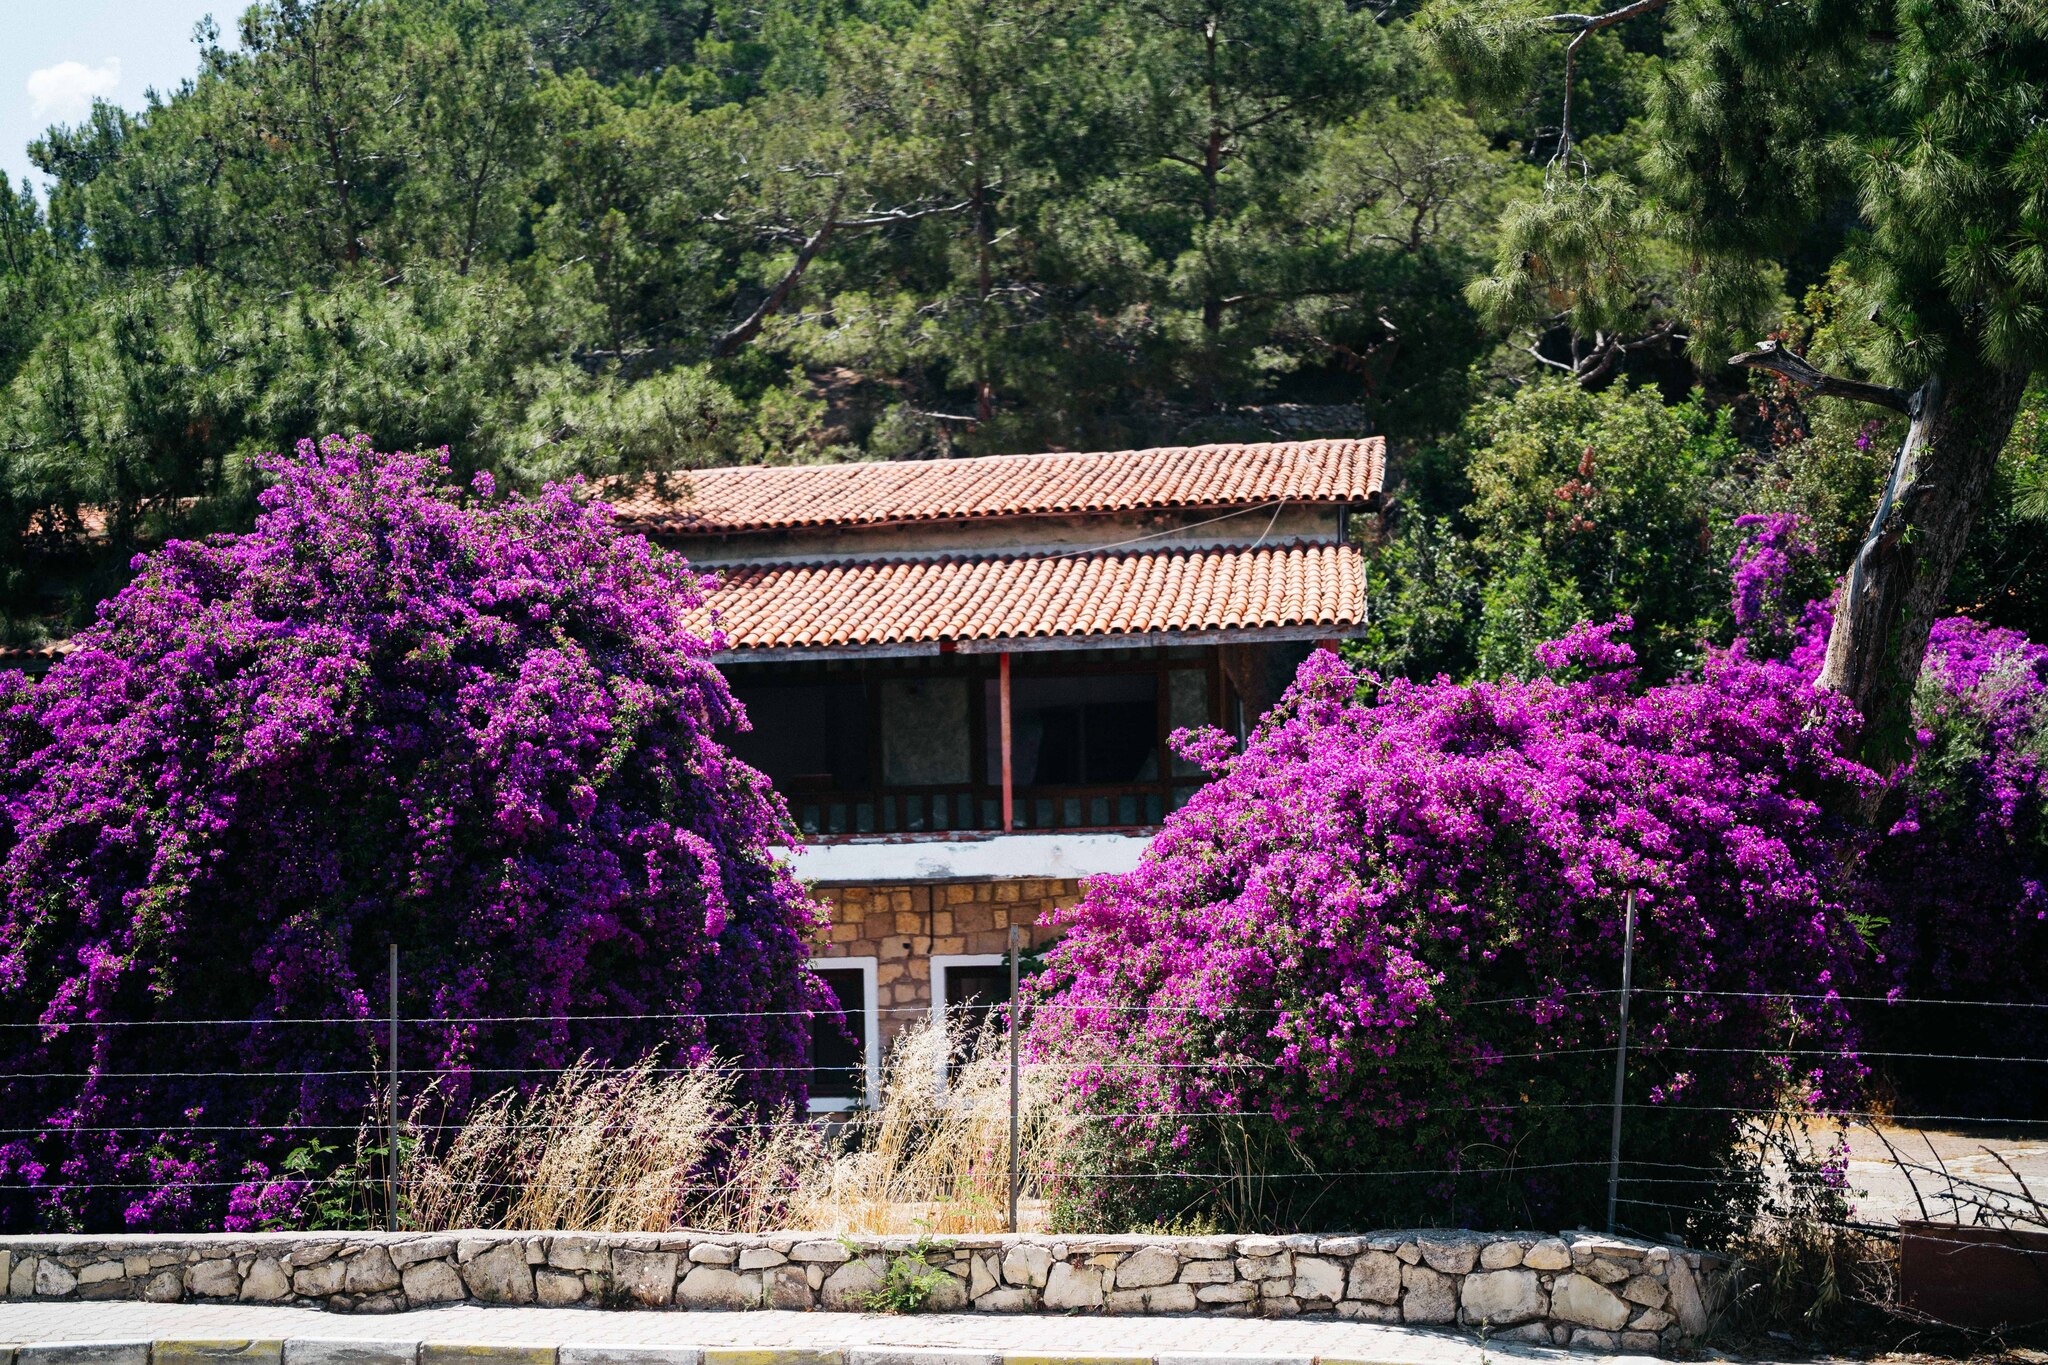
(642, 1151)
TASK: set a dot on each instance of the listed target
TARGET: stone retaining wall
(1580, 1290)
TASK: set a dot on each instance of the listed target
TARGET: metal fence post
(1016, 938)
(1628, 947)
(391, 1111)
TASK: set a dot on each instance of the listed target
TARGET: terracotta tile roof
(997, 597)
(782, 497)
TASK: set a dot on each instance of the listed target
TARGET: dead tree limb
(1769, 355)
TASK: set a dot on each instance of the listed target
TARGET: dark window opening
(839, 1056)
(972, 994)
(1085, 731)
(807, 737)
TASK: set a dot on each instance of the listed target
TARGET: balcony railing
(979, 809)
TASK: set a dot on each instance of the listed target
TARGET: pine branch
(1588, 23)
(1768, 355)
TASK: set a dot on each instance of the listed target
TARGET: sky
(57, 55)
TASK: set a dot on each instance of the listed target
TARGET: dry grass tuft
(638, 1150)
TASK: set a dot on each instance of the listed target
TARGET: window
(807, 736)
(1081, 731)
(846, 1073)
(968, 986)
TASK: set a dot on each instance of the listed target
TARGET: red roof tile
(1010, 597)
(781, 497)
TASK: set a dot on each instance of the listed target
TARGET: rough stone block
(1645, 1291)
(1007, 1301)
(1170, 1298)
(555, 1288)
(1549, 1254)
(1317, 1278)
(1427, 1295)
(949, 1295)
(319, 1281)
(1586, 1302)
(760, 1258)
(711, 1286)
(209, 1279)
(500, 1275)
(420, 1249)
(1260, 1246)
(1500, 1255)
(266, 1282)
(629, 1355)
(1147, 1267)
(1651, 1320)
(1369, 1312)
(1501, 1298)
(647, 1277)
(1640, 1341)
(825, 1253)
(1449, 1255)
(1073, 1287)
(1240, 1292)
(1588, 1339)
(1277, 1266)
(166, 1286)
(102, 1270)
(714, 1253)
(1027, 1265)
(851, 1286)
(370, 1272)
(1208, 1272)
(1686, 1301)
(428, 1282)
(1375, 1278)
(1124, 1301)
(788, 1287)
(54, 1281)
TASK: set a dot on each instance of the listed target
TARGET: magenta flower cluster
(1387, 938)
(479, 727)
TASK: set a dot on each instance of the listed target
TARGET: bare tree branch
(1769, 355)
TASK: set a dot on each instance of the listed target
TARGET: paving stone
(437, 1353)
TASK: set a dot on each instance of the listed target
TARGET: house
(962, 673)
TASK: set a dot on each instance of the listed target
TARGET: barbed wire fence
(1634, 1182)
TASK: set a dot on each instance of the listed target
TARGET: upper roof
(1099, 594)
(885, 493)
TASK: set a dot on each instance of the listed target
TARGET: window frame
(939, 963)
(872, 1017)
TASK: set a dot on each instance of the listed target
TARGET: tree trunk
(1883, 614)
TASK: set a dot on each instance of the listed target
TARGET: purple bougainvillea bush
(475, 726)
(1387, 939)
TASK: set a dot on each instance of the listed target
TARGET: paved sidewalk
(1148, 1338)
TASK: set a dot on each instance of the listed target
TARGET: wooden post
(1003, 718)
(1016, 944)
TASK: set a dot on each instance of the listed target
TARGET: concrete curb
(359, 1351)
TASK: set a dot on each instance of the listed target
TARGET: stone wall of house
(1579, 1290)
(902, 926)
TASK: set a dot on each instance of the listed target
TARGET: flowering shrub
(478, 728)
(1960, 881)
(1388, 938)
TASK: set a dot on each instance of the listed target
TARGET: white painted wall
(995, 858)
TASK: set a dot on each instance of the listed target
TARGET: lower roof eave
(1043, 643)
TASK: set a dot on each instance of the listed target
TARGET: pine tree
(1923, 118)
